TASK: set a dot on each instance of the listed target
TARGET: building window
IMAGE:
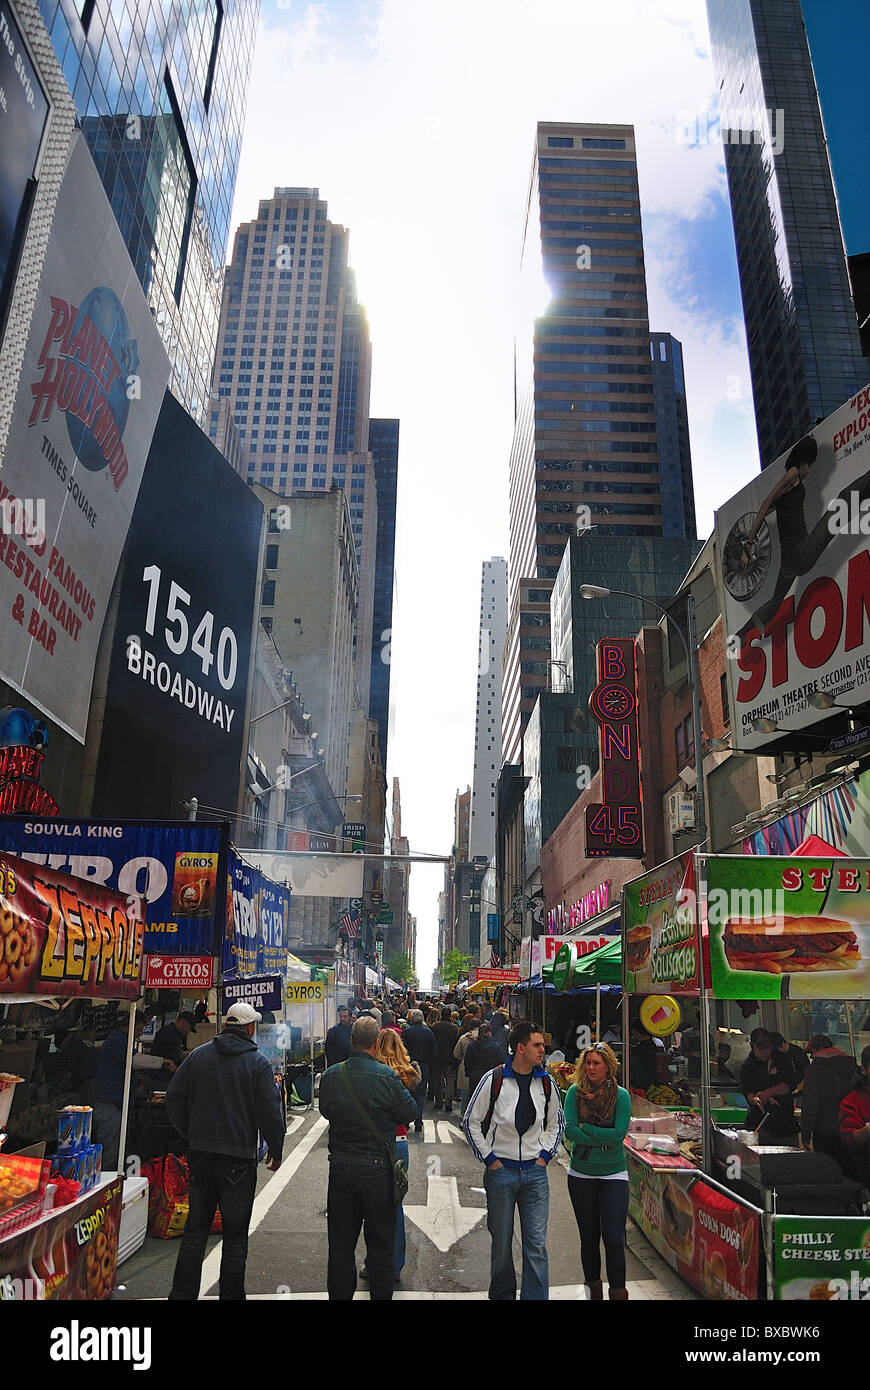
(268, 599)
(271, 557)
(726, 712)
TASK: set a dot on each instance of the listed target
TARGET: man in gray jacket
(221, 1095)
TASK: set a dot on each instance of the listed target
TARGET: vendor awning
(525, 986)
(601, 967)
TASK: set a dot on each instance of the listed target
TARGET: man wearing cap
(170, 1041)
(218, 1100)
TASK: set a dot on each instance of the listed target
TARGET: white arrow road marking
(442, 1219)
(446, 1132)
(266, 1197)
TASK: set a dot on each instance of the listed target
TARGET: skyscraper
(384, 447)
(801, 325)
(584, 455)
(672, 437)
(160, 92)
(487, 726)
(294, 360)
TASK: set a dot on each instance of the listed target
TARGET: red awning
(815, 847)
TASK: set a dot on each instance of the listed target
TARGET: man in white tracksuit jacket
(516, 1142)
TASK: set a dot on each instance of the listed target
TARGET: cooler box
(134, 1217)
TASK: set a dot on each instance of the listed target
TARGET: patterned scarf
(596, 1105)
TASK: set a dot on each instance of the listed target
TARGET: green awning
(601, 967)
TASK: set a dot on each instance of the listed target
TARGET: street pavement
(445, 1220)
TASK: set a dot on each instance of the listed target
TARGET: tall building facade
(312, 625)
(672, 437)
(160, 92)
(801, 324)
(294, 361)
(384, 449)
(487, 726)
(584, 457)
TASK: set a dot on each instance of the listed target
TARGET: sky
(416, 121)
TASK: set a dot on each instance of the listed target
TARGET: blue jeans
(230, 1184)
(420, 1093)
(528, 1190)
(360, 1194)
(399, 1249)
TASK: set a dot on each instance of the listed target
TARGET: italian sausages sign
(92, 382)
(62, 935)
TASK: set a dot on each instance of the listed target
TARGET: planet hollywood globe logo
(88, 363)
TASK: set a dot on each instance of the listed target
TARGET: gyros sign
(174, 972)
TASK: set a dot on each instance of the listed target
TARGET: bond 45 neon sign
(614, 827)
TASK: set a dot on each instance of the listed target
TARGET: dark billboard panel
(175, 713)
(23, 113)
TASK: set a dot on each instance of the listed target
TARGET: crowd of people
(385, 1060)
(513, 1119)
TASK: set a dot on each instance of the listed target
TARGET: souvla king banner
(92, 382)
(660, 933)
(794, 546)
(63, 935)
(789, 928)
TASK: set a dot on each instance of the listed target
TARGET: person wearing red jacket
(855, 1121)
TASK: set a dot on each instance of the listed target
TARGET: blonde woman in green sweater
(597, 1115)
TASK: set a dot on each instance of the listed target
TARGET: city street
(445, 1222)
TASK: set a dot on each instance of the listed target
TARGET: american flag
(494, 958)
(349, 925)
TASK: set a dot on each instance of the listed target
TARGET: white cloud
(416, 119)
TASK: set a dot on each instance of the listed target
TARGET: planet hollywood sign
(20, 789)
(561, 919)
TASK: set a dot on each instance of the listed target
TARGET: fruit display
(562, 1073)
(663, 1095)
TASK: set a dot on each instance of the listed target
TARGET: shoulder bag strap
(363, 1112)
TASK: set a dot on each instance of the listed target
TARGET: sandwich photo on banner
(789, 928)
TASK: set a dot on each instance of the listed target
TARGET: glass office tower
(585, 453)
(384, 447)
(160, 91)
(801, 324)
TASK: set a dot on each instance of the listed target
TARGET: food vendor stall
(62, 939)
(694, 976)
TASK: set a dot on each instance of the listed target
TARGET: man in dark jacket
(337, 1046)
(171, 1039)
(828, 1080)
(422, 1049)
(363, 1101)
(481, 1056)
(767, 1080)
(221, 1095)
(446, 1035)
